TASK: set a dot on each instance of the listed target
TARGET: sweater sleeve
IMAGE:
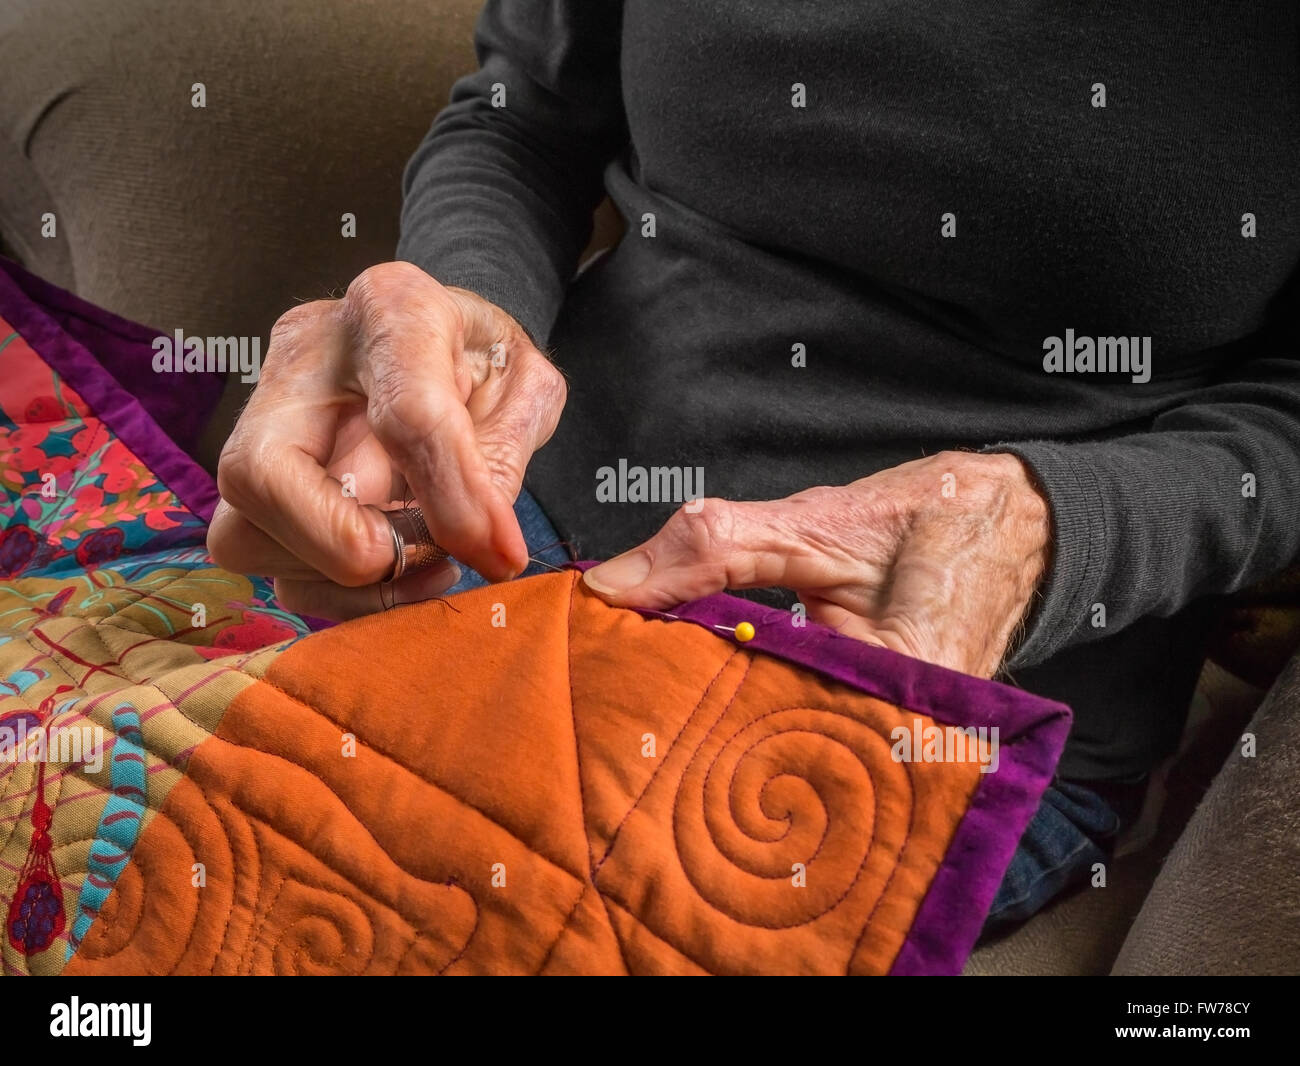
(1206, 501)
(499, 195)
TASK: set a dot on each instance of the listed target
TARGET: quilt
(519, 779)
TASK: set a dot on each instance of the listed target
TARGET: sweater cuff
(1080, 540)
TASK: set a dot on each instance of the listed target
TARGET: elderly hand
(404, 385)
(938, 558)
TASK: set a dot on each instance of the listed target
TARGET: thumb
(708, 545)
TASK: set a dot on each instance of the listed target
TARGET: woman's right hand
(412, 388)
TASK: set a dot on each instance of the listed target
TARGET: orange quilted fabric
(577, 790)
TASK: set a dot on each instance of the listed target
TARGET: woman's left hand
(938, 559)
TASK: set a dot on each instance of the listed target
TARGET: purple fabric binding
(1032, 732)
(147, 412)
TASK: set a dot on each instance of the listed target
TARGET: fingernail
(619, 574)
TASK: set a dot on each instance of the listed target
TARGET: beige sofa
(216, 219)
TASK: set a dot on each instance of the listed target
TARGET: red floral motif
(161, 519)
(117, 464)
(45, 409)
(89, 499)
(101, 546)
(17, 546)
(255, 632)
(26, 454)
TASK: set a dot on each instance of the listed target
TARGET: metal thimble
(413, 544)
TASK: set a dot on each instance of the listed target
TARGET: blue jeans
(1073, 827)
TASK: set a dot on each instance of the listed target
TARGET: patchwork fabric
(519, 779)
(102, 566)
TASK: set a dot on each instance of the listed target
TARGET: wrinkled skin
(405, 387)
(891, 559)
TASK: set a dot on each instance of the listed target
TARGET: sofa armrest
(215, 219)
(1227, 900)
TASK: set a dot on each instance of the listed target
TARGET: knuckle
(705, 527)
(546, 383)
(365, 308)
(399, 414)
(392, 290)
(396, 274)
(389, 306)
(365, 549)
(293, 321)
(383, 281)
(288, 342)
(241, 468)
(538, 396)
(350, 554)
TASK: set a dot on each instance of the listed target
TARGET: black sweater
(949, 197)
